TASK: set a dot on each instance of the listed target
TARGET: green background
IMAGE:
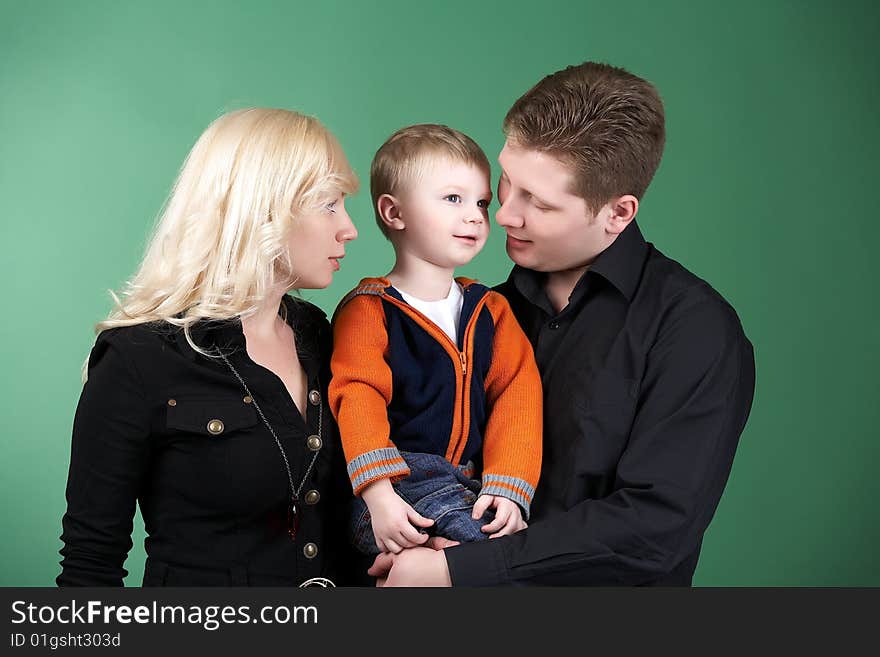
(764, 190)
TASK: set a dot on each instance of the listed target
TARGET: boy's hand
(395, 523)
(508, 518)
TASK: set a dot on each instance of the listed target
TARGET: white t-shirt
(445, 313)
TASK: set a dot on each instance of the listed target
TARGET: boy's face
(445, 214)
(549, 228)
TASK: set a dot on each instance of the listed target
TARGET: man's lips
(516, 242)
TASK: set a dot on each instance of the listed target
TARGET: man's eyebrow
(540, 200)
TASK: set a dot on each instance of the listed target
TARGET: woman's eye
(331, 207)
(453, 198)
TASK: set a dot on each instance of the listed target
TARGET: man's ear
(389, 210)
(621, 211)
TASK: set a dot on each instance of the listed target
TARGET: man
(648, 377)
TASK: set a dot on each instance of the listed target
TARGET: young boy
(432, 373)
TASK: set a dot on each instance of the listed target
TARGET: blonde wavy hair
(221, 240)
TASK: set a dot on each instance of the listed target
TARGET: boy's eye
(483, 204)
(453, 198)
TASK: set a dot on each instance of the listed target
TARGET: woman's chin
(314, 283)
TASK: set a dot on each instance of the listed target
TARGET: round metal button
(172, 402)
(554, 325)
(315, 397)
(314, 443)
(310, 550)
(312, 497)
(215, 427)
(248, 399)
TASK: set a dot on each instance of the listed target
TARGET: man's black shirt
(648, 381)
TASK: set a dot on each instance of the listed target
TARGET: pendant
(292, 519)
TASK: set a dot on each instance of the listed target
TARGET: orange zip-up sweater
(401, 384)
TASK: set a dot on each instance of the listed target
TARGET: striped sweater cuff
(378, 464)
(513, 488)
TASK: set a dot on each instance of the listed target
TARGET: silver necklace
(292, 508)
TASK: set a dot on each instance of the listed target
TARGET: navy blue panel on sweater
(423, 391)
(422, 404)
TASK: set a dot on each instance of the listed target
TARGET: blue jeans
(436, 489)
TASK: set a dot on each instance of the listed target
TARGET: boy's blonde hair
(221, 242)
(403, 158)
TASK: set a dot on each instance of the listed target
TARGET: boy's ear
(389, 210)
(621, 211)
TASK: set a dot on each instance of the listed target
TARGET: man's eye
(452, 198)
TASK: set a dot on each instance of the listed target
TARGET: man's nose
(508, 216)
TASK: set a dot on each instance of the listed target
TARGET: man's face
(549, 229)
(446, 215)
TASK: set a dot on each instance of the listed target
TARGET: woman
(205, 398)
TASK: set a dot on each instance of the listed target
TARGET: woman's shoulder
(124, 351)
(138, 336)
(139, 343)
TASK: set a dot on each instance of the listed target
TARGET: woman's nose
(348, 232)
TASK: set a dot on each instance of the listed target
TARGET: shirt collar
(620, 264)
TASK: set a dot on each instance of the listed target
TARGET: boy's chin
(451, 260)
(461, 262)
(466, 258)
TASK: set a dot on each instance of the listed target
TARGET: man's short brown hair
(604, 122)
(401, 160)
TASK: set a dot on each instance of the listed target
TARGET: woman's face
(317, 244)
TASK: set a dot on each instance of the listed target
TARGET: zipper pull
(463, 362)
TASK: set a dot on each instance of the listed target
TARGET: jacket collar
(227, 334)
(383, 282)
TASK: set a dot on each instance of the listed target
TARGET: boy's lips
(469, 238)
(335, 260)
